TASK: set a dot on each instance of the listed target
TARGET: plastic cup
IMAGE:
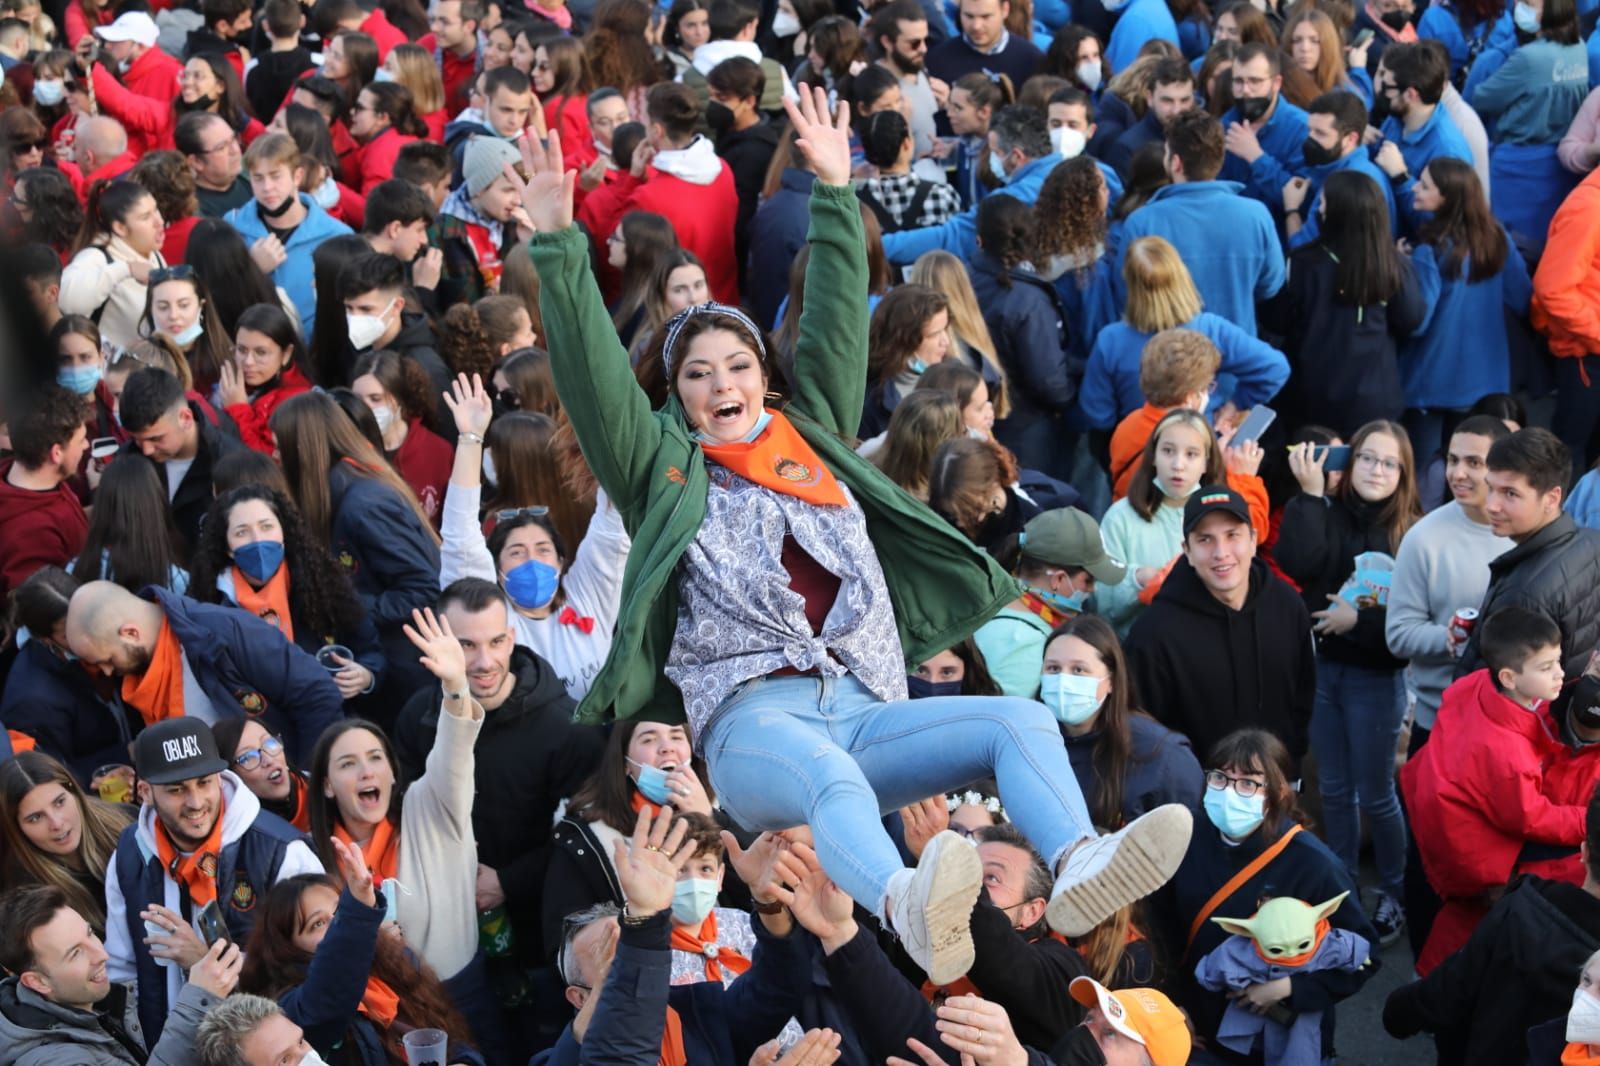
(325, 658)
(425, 1047)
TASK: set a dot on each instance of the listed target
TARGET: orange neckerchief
(382, 852)
(157, 694)
(1304, 957)
(380, 1003)
(298, 789)
(697, 944)
(642, 804)
(1050, 616)
(1578, 1055)
(781, 460)
(270, 602)
(672, 1053)
(198, 871)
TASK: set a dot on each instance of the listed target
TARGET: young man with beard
(41, 521)
(1168, 93)
(1335, 125)
(1264, 131)
(1406, 89)
(901, 32)
(195, 865)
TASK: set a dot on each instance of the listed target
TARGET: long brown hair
(607, 797)
(25, 864)
(944, 271)
(616, 48)
(313, 434)
(528, 374)
(1113, 746)
(1144, 496)
(274, 964)
(964, 472)
(1403, 507)
(925, 419)
(1069, 221)
(1330, 73)
(405, 380)
(895, 332)
(1463, 229)
(530, 472)
(647, 238)
(324, 808)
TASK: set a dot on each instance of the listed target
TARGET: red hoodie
(36, 529)
(375, 161)
(384, 33)
(457, 72)
(254, 418)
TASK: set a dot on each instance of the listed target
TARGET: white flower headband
(974, 799)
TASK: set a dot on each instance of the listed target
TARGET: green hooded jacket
(651, 467)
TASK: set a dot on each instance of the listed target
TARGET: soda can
(1461, 624)
(495, 938)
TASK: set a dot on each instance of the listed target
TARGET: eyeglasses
(1378, 462)
(251, 758)
(1244, 786)
(521, 512)
(181, 272)
(231, 142)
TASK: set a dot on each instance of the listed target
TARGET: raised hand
(757, 865)
(354, 872)
(824, 139)
(230, 386)
(923, 821)
(217, 972)
(821, 907)
(441, 652)
(547, 194)
(469, 404)
(647, 866)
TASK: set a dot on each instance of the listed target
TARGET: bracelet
(629, 918)
(472, 437)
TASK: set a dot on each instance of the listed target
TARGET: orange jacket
(1566, 287)
(1127, 444)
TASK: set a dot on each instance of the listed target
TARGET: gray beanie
(483, 162)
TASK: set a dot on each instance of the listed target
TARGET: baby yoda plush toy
(1283, 937)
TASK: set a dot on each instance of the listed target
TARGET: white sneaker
(930, 908)
(1104, 874)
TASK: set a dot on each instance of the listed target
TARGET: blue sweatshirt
(294, 275)
(1357, 160)
(960, 234)
(1436, 137)
(1228, 242)
(1281, 138)
(1110, 389)
(1460, 352)
(1536, 94)
(1140, 21)
(1440, 23)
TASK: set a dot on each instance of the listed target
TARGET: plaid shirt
(895, 192)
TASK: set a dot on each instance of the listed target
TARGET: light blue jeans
(826, 752)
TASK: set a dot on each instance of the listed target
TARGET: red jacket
(375, 161)
(569, 116)
(456, 71)
(435, 121)
(701, 215)
(351, 208)
(78, 25)
(1476, 793)
(1566, 287)
(175, 243)
(116, 168)
(37, 529)
(423, 462)
(384, 33)
(150, 121)
(253, 418)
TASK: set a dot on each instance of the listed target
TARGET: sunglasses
(509, 399)
(181, 272)
(521, 512)
(24, 147)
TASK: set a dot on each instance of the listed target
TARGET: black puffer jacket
(1557, 571)
(1317, 547)
(1518, 970)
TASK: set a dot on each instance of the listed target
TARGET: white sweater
(90, 280)
(1442, 566)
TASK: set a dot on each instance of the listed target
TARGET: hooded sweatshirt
(37, 528)
(1205, 669)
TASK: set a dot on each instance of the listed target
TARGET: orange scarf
(270, 602)
(157, 694)
(382, 852)
(1303, 957)
(380, 1003)
(781, 460)
(1035, 604)
(672, 1053)
(196, 871)
(299, 791)
(717, 956)
(642, 804)
(1578, 1055)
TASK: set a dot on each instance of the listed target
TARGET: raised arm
(609, 412)
(830, 359)
(463, 552)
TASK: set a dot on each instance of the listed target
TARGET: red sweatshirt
(423, 461)
(254, 418)
(375, 161)
(36, 529)
(383, 32)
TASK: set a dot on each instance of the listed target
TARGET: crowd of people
(1088, 510)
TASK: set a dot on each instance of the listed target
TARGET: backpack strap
(886, 221)
(1238, 881)
(913, 211)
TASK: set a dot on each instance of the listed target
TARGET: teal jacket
(941, 586)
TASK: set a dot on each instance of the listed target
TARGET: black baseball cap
(176, 749)
(1209, 499)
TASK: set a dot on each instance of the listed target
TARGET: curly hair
(615, 46)
(170, 179)
(464, 342)
(898, 322)
(1005, 228)
(322, 601)
(403, 379)
(1068, 219)
(57, 212)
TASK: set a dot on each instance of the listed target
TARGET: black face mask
(1078, 1048)
(279, 211)
(719, 116)
(920, 688)
(1395, 20)
(1380, 108)
(1316, 155)
(201, 103)
(1252, 108)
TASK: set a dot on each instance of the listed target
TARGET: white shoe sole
(1146, 858)
(956, 880)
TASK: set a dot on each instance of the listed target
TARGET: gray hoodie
(36, 1032)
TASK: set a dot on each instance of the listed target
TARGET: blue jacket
(391, 558)
(362, 640)
(1111, 380)
(55, 703)
(1439, 23)
(955, 57)
(1091, 302)
(959, 234)
(1593, 45)
(1161, 768)
(293, 275)
(1535, 95)
(964, 173)
(1461, 352)
(1228, 242)
(246, 667)
(777, 233)
(1281, 140)
(1140, 21)
(1031, 339)
(1357, 160)
(1434, 138)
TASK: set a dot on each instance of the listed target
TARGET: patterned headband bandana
(676, 323)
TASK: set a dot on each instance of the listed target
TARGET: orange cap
(1141, 1014)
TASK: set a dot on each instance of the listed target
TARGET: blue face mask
(533, 584)
(1169, 494)
(259, 559)
(692, 900)
(917, 366)
(1526, 18)
(1072, 604)
(760, 427)
(1233, 814)
(190, 335)
(651, 782)
(921, 688)
(80, 379)
(997, 166)
(1072, 698)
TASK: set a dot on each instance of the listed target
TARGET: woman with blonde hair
(924, 420)
(1161, 296)
(969, 334)
(413, 66)
(1313, 45)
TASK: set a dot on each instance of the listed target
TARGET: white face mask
(326, 195)
(785, 24)
(1089, 73)
(384, 413)
(188, 336)
(488, 468)
(1583, 1020)
(382, 74)
(1067, 142)
(311, 1058)
(997, 165)
(49, 93)
(365, 329)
